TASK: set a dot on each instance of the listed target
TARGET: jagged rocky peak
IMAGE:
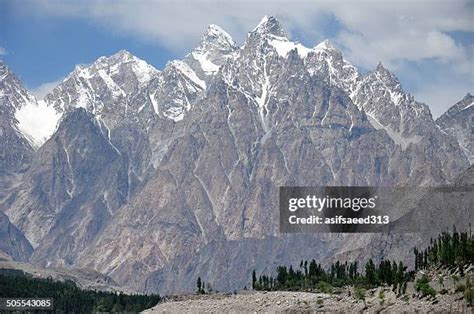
(269, 34)
(387, 77)
(216, 38)
(13, 95)
(466, 103)
(3, 69)
(21, 113)
(121, 63)
(174, 92)
(268, 26)
(215, 47)
(327, 48)
(383, 83)
(326, 61)
(458, 122)
(326, 45)
(122, 56)
(104, 84)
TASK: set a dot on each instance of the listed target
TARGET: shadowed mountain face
(458, 122)
(15, 149)
(157, 177)
(77, 181)
(16, 154)
(67, 167)
(13, 244)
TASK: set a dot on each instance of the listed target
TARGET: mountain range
(154, 177)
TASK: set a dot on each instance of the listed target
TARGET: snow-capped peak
(123, 55)
(268, 25)
(325, 45)
(12, 92)
(217, 37)
(262, 22)
(3, 70)
(215, 47)
(386, 77)
(112, 64)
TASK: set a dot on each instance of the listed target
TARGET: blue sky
(429, 45)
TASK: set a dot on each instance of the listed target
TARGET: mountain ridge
(148, 179)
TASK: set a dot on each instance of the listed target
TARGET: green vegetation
(449, 249)
(202, 287)
(68, 298)
(452, 250)
(199, 285)
(312, 276)
(469, 293)
(360, 294)
(324, 287)
(424, 287)
(382, 297)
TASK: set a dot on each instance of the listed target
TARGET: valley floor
(303, 302)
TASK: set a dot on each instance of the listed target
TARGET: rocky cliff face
(65, 174)
(16, 154)
(15, 148)
(458, 122)
(13, 244)
(161, 177)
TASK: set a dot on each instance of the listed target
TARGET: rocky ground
(304, 302)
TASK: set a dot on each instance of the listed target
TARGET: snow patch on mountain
(143, 71)
(188, 72)
(207, 66)
(219, 36)
(325, 45)
(38, 121)
(397, 137)
(468, 106)
(283, 46)
(114, 88)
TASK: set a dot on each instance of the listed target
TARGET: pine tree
(281, 276)
(199, 285)
(370, 272)
(254, 280)
(417, 263)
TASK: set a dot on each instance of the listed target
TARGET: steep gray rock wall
(13, 244)
(458, 121)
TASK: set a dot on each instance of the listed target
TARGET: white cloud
(389, 29)
(42, 90)
(369, 31)
(3, 51)
(402, 30)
